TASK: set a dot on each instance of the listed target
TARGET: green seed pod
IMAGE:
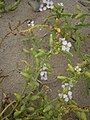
(50, 113)
(2, 5)
(40, 54)
(81, 115)
(80, 15)
(70, 68)
(23, 108)
(19, 98)
(47, 108)
(30, 109)
(51, 42)
(17, 113)
(83, 64)
(78, 7)
(87, 74)
(61, 77)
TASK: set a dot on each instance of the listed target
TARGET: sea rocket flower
(63, 86)
(67, 95)
(41, 7)
(64, 96)
(60, 95)
(71, 84)
(45, 1)
(77, 69)
(60, 4)
(44, 67)
(70, 94)
(44, 8)
(66, 84)
(50, 5)
(66, 46)
(66, 99)
(43, 75)
(43, 72)
(30, 23)
(47, 4)
(62, 39)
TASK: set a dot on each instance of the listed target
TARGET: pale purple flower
(66, 46)
(45, 1)
(41, 7)
(60, 4)
(43, 75)
(44, 67)
(30, 23)
(60, 95)
(66, 84)
(66, 99)
(44, 8)
(71, 84)
(69, 93)
(63, 86)
(65, 96)
(50, 5)
(62, 39)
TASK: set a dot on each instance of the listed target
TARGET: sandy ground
(11, 51)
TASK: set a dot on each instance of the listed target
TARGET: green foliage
(4, 9)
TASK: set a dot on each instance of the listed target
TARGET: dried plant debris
(85, 3)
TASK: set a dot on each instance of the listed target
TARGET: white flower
(50, 5)
(30, 23)
(45, 1)
(41, 7)
(62, 39)
(66, 84)
(63, 86)
(71, 84)
(60, 4)
(60, 95)
(70, 97)
(64, 96)
(66, 46)
(44, 67)
(44, 8)
(69, 93)
(43, 75)
(66, 99)
(77, 69)
(46, 4)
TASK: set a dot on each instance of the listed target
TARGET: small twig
(7, 108)
(2, 77)
(11, 30)
(41, 26)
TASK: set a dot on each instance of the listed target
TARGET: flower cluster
(30, 23)
(77, 69)
(65, 45)
(66, 96)
(47, 4)
(43, 72)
